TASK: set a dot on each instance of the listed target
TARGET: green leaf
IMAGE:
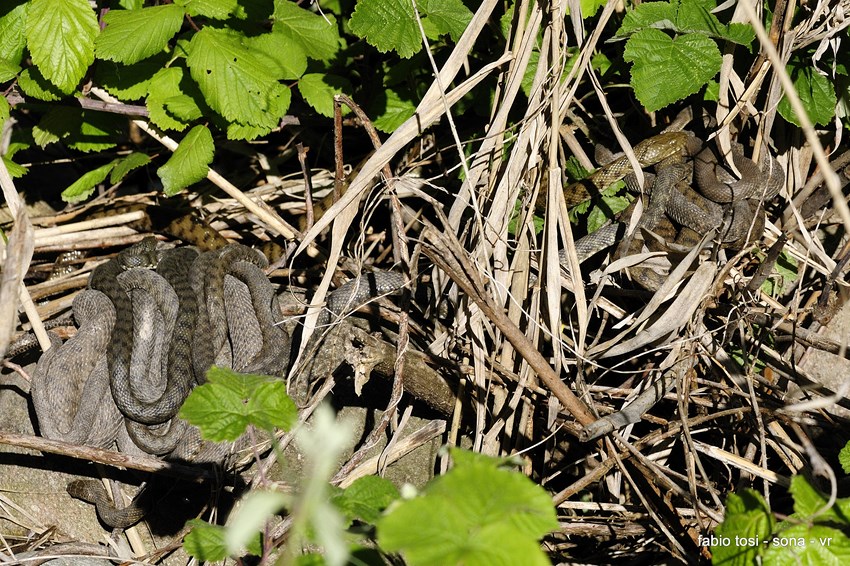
(215, 9)
(205, 542)
(8, 70)
(314, 35)
(808, 544)
(127, 164)
(5, 110)
(183, 107)
(229, 402)
(60, 37)
(395, 112)
(810, 504)
(447, 16)
(748, 517)
(387, 25)
(684, 16)
(666, 70)
(99, 131)
(13, 17)
(235, 83)
(319, 90)
(476, 514)
(284, 58)
(15, 170)
(815, 92)
(163, 87)
(190, 161)
(82, 188)
(590, 7)
(366, 498)
(34, 84)
(843, 455)
(133, 35)
(58, 123)
(129, 82)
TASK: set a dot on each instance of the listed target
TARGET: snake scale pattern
(690, 186)
(150, 325)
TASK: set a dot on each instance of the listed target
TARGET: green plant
(480, 512)
(816, 533)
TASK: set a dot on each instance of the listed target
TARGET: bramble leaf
(286, 60)
(190, 161)
(366, 498)
(387, 25)
(478, 513)
(319, 90)
(666, 70)
(34, 84)
(127, 164)
(215, 9)
(224, 406)
(748, 516)
(205, 542)
(815, 92)
(133, 35)
(234, 81)
(12, 31)
(447, 16)
(60, 37)
(682, 17)
(129, 82)
(396, 111)
(315, 36)
(82, 188)
(164, 86)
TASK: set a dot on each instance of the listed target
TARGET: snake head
(143, 255)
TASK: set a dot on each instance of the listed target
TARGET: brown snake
(92, 491)
(700, 210)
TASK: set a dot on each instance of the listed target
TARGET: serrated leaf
(129, 82)
(387, 25)
(682, 17)
(60, 38)
(475, 514)
(395, 112)
(815, 92)
(5, 110)
(809, 502)
(128, 164)
(190, 161)
(224, 407)
(319, 90)
(183, 107)
(316, 36)
(666, 70)
(590, 7)
(447, 16)
(748, 516)
(808, 544)
(205, 542)
(366, 498)
(233, 80)
(133, 35)
(82, 188)
(14, 169)
(13, 16)
(35, 85)
(58, 123)
(8, 70)
(844, 458)
(285, 59)
(164, 86)
(215, 9)
(280, 105)
(99, 131)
